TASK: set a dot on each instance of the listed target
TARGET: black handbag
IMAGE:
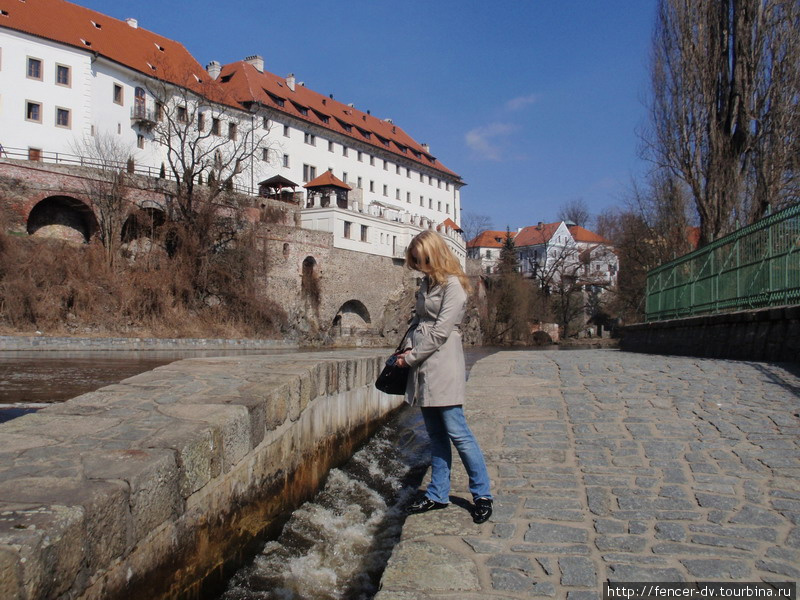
(393, 379)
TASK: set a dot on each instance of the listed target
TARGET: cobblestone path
(612, 466)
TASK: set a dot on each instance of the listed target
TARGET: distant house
(549, 251)
(486, 247)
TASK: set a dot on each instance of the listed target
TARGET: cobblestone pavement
(612, 466)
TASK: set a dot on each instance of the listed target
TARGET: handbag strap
(403, 339)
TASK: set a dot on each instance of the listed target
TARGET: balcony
(143, 116)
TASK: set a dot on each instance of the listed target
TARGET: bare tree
(575, 211)
(107, 191)
(474, 224)
(724, 109)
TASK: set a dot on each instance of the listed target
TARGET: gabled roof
(488, 239)
(448, 222)
(579, 234)
(118, 41)
(327, 179)
(278, 181)
(248, 85)
(535, 235)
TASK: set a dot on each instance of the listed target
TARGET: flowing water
(336, 545)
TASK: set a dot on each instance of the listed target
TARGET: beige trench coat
(438, 376)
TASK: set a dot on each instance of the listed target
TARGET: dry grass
(60, 288)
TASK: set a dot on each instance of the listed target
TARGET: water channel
(335, 546)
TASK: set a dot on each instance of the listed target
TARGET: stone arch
(352, 313)
(62, 217)
(142, 223)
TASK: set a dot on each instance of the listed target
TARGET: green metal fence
(754, 267)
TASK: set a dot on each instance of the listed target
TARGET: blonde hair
(440, 260)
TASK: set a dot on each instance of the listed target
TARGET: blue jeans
(444, 424)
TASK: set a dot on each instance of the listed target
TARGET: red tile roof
(327, 179)
(247, 85)
(579, 234)
(448, 222)
(488, 239)
(133, 47)
(533, 235)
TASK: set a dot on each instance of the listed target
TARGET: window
(34, 68)
(33, 112)
(310, 139)
(421, 177)
(447, 210)
(286, 161)
(117, 94)
(285, 131)
(201, 121)
(371, 161)
(344, 150)
(182, 118)
(360, 156)
(265, 122)
(63, 75)
(371, 186)
(330, 146)
(344, 176)
(397, 169)
(430, 203)
(215, 125)
(397, 194)
(363, 233)
(408, 197)
(421, 201)
(309, 173)
(159, 111)
(140, 141)
(385, 190)
(265, 154)
(63, 118)
(439, 206)
(447, 186)
(347, 227)
(360, 183)
(385, 165)
(232, 131)
(408, 172)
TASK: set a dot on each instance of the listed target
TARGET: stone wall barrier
(768, 334)
(159, 487)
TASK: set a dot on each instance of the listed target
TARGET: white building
(69, 74)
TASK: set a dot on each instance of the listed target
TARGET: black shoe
(482, 510)
(424, 504)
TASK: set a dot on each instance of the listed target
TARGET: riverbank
(37, 342)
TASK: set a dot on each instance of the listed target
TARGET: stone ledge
(26, 343)
(147, 488)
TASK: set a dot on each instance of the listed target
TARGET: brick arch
(62, 217)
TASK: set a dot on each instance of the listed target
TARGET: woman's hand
(401, 359)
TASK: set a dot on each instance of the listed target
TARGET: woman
(437, 380)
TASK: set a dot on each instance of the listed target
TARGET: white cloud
(521, 102)
(482, 140)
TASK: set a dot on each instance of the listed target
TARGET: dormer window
(276, 99)
(86, 43)
(161, 48)
(97, 25)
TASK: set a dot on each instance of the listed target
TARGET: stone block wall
(156, 487)
(769, 334)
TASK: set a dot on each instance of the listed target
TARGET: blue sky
(533, 103)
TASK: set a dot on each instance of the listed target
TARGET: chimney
(290, 81)
(213, 69)
(257, 61)
(540, 226)
(426, 148)
(132, 23)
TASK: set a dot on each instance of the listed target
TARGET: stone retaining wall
(157, 487)
(36, 342)
(770, 334)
